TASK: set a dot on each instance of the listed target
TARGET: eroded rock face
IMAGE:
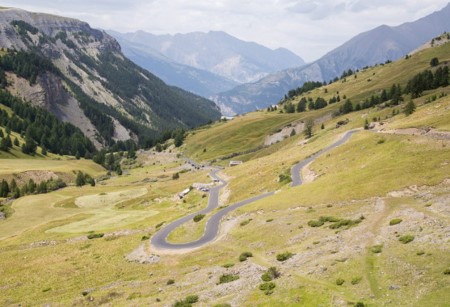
(90, 75)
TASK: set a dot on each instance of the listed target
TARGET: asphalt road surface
(159, 240)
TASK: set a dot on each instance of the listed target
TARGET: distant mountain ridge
(87, 81)
(198, 81)
(219, 53)
(366, 49)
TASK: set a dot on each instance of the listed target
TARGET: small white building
(227, 118)
(234, 163)
(184, 193)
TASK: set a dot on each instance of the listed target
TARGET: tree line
(39, 127)
(12, 189)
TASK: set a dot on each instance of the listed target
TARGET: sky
(309, 28)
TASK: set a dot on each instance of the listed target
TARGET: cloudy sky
(309, 28)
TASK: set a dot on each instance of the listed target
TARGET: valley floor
(370, 225)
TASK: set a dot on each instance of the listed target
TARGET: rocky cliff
(89, 82)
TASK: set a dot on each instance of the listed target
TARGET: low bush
(226, 278)
(145, 237)
(447, 271)
(95, 235)
(269, 220)
(395, 222)
(356, 280)
(243, 223)
(315, 223)
(376, 249)
(198, 217)
(228, 265)
(244, 256)
(271, 274)
(267, 287)
(170, 282)
(284, 256)
(187, 302)
(340, 281)
(406, 239)
(345, 223)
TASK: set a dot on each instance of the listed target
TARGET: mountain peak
(219, 53)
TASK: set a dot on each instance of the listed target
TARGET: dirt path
(374, 228)
(428, 132)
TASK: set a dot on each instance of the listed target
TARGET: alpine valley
(119, 190)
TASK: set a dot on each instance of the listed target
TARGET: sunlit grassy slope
(372, 179)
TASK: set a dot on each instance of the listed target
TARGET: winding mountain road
(159, 240)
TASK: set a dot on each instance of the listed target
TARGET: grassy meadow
(371, 228)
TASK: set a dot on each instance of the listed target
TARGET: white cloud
(308, 27)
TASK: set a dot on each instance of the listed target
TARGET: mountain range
(204, 63)
(80, 74)
(366, 49)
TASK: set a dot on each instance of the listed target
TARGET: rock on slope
(92, 84)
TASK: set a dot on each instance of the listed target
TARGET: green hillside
(369, 226)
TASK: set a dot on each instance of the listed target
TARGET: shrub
(271, 274)
(420, 253)
(198, 217)
(145, 237)
(395, 222)
(243, 223)
(340, 281)
(360, 304)
(222, 305)
(406, 239)
(346, 223)
(315, 223)
(228, 265)
(267, 287)
(159, 225)
(284, 256)
(225, 278)
(447, 271)
(269, 220)
(356, 280)
(244, 256)
(95, 236)
(170, 282)
(187, 302)
(376, 249)
(331, 219)
(176, 176)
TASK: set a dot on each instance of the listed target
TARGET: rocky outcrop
(92, 84)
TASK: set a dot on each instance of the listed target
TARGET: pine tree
(4, 145)
(4, 188)
(131, 153)
(410, 108)
(16, 142)
(31, 186)
(309, 124)
(366, 124)
(80, 180)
